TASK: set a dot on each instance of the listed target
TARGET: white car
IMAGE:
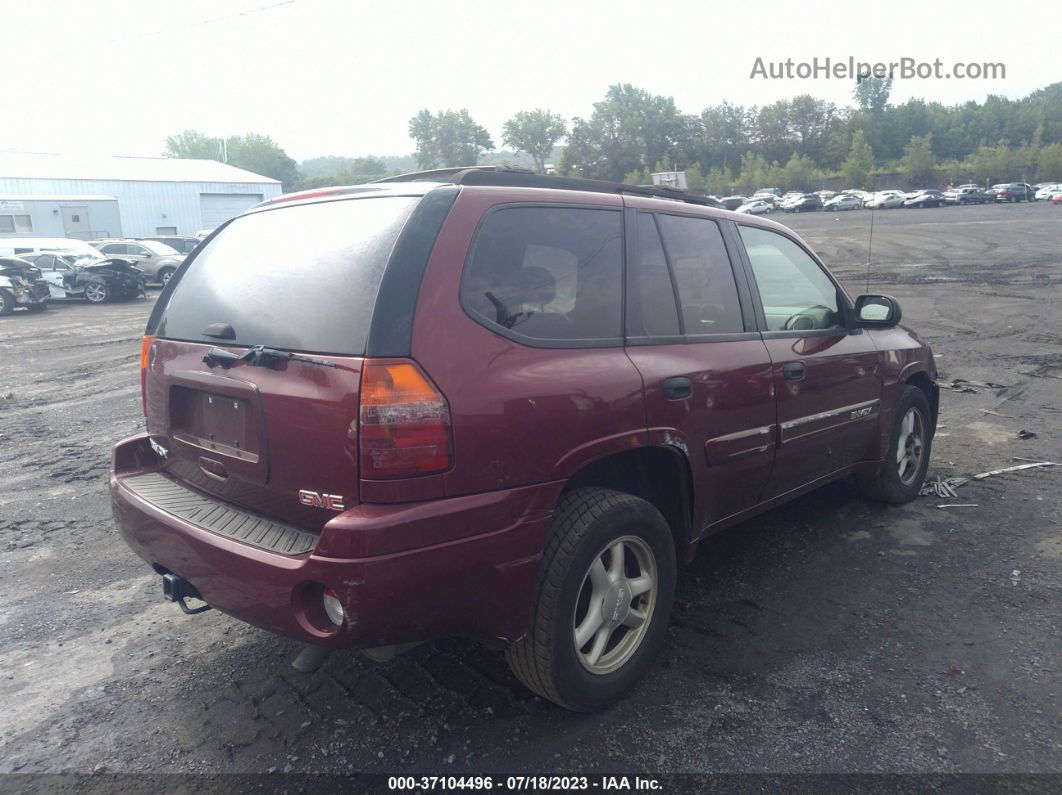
(1048, 192)
(770, 198)
(17, 246)
(758, 207)
(844, 201)
(886, 200)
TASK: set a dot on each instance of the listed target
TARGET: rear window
(301, 278)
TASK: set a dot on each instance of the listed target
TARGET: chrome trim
(785, 426)
(766, 430)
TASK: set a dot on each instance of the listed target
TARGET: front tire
(904, 470)
(97, 292)
(604, 599)
(7, 302)
(165, 275)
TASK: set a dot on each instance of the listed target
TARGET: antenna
(870, 244)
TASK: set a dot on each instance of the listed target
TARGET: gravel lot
(830, 635)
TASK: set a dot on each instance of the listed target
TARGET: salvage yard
(829, 635)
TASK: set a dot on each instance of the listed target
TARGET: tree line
(792, 143)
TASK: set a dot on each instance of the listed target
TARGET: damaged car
(21, 285)
(96, 281)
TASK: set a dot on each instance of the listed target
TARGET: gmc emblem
(333, 502)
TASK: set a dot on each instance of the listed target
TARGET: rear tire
(904, 470)
(603, 549)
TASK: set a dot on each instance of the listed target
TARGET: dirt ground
(830, 635)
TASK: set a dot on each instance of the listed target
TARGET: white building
(43, 195)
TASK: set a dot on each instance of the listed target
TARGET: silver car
(157, 260)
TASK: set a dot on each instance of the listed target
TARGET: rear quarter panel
(520, 414)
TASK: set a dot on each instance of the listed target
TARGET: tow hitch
(176, 588)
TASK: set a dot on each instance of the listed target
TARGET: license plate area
(221, 424)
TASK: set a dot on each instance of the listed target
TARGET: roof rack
(507, 176)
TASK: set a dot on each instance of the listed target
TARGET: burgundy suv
(491, 404)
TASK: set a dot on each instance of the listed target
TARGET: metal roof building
(155, 195)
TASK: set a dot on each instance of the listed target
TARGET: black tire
(37, 307)
(586, 523)
(97, 291)
(7, 302)
(888, 485)
(164, 275)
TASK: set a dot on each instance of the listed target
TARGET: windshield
(299, 278)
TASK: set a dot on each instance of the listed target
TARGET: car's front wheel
(904, 470)
(7, 302)
(97, 292)
(164, 276)
(604, 598)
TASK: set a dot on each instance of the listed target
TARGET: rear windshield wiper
(258, 356)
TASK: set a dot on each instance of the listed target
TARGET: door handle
(793, 371)
(678, 388)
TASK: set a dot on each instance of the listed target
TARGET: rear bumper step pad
(217, 517)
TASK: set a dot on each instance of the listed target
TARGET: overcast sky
(344, 76)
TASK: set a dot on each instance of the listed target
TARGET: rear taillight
(145, 355)
(404, 422)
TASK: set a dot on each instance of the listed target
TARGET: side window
(705, 280)
(651, 308)
(114, 249)
(796, 294)
(138, 250)
(548, 273)
(45, 262)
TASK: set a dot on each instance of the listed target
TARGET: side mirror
(877, 311)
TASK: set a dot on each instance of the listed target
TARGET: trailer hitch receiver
(176, 588)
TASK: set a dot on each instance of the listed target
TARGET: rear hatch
(253, 362)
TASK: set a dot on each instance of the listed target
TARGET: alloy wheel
(910, 446)
(615, 605)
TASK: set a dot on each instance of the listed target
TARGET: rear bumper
(479, 585)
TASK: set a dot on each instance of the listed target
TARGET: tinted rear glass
(548, 273)
(701, 265)
(300, 278)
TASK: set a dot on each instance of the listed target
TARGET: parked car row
(36, 271)
(767, 200)
(33, 279)
(96, 271)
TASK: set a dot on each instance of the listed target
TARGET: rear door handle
(793, 371)
(678, 388)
